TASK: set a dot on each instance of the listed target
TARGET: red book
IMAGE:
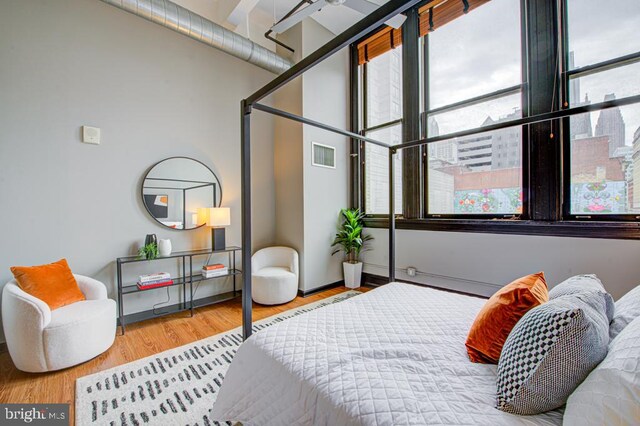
(154, 285)
(213, 267)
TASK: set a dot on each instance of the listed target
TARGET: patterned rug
(175, 387)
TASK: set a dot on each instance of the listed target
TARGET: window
(383, 83)
(474, 79)
(473, 175)
(604, 146)
(376, 171)
(599, 31)
(484, 67)
(383, 112)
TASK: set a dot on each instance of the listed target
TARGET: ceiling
(252, 18)
(334, 18)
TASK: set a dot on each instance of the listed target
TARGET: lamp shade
(219, 216)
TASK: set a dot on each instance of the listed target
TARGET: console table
(185, 281)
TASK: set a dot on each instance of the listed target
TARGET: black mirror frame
(173, 158)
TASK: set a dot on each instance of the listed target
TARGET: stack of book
(160, 279)
(215, 270)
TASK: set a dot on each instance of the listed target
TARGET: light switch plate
(91, 135)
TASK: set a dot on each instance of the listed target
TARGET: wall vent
(323, 156)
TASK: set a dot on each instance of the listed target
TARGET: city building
(580, 124)
(635, 189)
(611, 124)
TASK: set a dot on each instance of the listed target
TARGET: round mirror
(176, 192)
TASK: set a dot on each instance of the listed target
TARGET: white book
(221, 271)
(216, 273)
(154, 277)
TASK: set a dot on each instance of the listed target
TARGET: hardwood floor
(140, 340)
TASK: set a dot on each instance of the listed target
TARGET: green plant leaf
(149, 251)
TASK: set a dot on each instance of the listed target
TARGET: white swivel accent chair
(40, 339)
(274, 275)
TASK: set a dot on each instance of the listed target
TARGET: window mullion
(425, 127)
(356, 199)
(478, 100)
(544, 140)
(524, 103)
(411, 157)
(382, 126)
(604, 66)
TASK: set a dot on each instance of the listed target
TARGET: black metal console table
(185, 281)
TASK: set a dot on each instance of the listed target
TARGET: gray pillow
(550, 351)
(581, 283)
(627, 309)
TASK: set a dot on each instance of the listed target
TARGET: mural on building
(599, 197)
(590, 198)
(488, 200)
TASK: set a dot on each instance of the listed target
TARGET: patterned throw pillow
(579, 284)
(550, 352)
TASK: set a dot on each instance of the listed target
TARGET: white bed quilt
(392, 356)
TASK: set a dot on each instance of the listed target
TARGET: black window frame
(545, 168)
(578, 72)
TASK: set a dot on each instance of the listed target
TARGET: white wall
(482, 263)
(326, 99)
(309, 198)
(155, 94)
(288, 164)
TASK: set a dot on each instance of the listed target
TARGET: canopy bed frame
(351, 35)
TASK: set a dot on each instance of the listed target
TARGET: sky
(480, 53)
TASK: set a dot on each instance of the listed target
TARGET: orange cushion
(54, 283)
(501, 313)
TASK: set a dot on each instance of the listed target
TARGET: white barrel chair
(40, 339)
(274, 275)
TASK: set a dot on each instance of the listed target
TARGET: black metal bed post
(310, 122)
(392, 219)
(245, 189)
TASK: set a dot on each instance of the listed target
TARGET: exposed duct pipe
(177, 18)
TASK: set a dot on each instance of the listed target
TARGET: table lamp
(219, 217)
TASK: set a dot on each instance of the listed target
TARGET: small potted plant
(351, 241)
(148, 251)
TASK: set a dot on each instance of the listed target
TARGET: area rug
(175, 387)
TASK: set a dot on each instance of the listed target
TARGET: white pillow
(627, 309)
(583, 283)
(611, 393)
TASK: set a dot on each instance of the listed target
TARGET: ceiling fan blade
(366, 7)
(289, 22)
(363, 6)
(397, 21)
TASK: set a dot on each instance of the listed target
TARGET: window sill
(592, 229)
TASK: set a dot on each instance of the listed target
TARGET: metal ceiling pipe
(182, 20)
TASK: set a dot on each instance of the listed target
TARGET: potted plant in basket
(351, 241)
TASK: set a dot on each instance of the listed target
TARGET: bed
(392, 356)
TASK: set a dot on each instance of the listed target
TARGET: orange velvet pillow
(501, 313)
(54, 283)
